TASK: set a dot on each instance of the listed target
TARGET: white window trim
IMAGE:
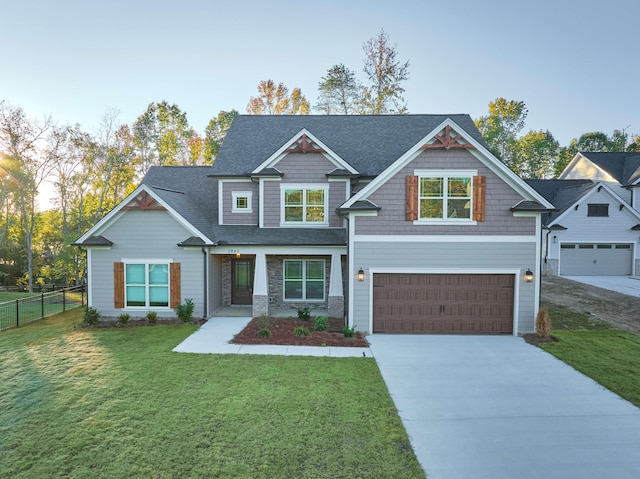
(304, 281)
(304, 187)
(445, 174)
(234, 201)
(146, 264)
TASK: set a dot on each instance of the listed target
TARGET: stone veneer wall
(550, 268)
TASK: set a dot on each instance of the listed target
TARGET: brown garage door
(443, 303)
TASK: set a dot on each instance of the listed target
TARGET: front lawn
(609, 356)
(116, 403)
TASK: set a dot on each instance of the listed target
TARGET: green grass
(8, 296)
(117, 403)
(609, 356)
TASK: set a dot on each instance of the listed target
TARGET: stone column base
(260, 305)
(335, 306)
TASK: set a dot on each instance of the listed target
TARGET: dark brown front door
(443, 303)
(241, 280)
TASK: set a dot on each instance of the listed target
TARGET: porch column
(260, 298)
(335, 303)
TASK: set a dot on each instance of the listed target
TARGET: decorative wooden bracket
(447, 142)
(305, 146)
(144, 202)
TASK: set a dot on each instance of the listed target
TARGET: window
(304, 204)
(146, 285)
(241, 202)
(597, 209)
(304, 280)
(445, 197)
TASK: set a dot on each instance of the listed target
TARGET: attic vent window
(598, 209)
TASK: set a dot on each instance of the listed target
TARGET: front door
(241, 280)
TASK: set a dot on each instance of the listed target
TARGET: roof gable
(144, 197)
(463, 139)
(573, 199)
(620, 166)
(304, 142)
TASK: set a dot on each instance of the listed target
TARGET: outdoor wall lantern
(528, 275)
(360, 274)
(555, 239)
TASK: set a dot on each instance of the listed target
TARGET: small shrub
(152, 317)
(543, 323)
(124, 318)
(185, 311)
(320, 323)
(304, 314)
(264, 332)
(91, 316)
(301, 331)
(263, 320)
(349, 332)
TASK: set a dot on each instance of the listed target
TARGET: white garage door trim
(594, 251)
(516, 284)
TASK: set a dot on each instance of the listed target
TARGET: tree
(339, 91)
(274, 99)
(386, 74)
(536, 154)
(215, 132)
(161, 135)
(501, 126)
(33, 146)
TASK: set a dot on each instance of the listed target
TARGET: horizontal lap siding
(231, 218)
(615, 228)
(144, 235)
(404, 257)
(500, 197)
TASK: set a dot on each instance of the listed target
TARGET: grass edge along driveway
(118, 403)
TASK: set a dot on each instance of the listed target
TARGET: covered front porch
(276, 281)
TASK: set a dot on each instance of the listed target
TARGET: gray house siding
(302, 168)
(444, 257)
(500, 197)
(231, 218)
(143, 236)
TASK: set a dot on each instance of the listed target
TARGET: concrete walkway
(213, 338)
(496, 407)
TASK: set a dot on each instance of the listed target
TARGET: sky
(572, 62)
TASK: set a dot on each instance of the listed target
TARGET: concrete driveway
(496, 407)
(629, 285)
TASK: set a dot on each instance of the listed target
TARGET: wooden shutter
(411, 210)
(174, 288)
(479, 197)
(118, 285)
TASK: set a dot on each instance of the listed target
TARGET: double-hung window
(146, 285)
(445, 196)
(304, 204)
(304, 280)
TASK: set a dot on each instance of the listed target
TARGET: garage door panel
(591, 259)
(443, 303)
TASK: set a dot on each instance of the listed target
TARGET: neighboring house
(596, 227)
(399, 223)
(592, 232)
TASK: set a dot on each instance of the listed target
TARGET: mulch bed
(537, 340)
(134, 323)
(282, 333)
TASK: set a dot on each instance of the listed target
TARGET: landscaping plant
(152, 317)
(320, 323)
(185, 311)
(91, 316)
(124, 318)
(543, 323)
(301, 331)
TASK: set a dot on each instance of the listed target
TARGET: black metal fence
(22, 311)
